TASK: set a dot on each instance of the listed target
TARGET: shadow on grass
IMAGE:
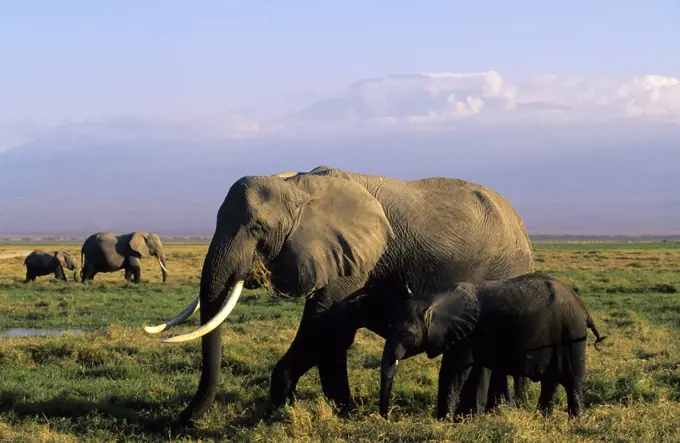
(151, 420)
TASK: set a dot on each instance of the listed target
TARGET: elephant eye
(257, 230)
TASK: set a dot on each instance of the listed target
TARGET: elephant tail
(598, 338)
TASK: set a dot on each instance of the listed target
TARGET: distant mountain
(559, 183)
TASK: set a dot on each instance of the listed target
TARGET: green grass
(117, 383)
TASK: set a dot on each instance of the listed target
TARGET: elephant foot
(180, 426)
(279, 399)
(281, 389)
(346, 410)
(187, 419)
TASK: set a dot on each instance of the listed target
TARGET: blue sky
(83, 59)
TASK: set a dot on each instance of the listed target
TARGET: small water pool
(33, 332)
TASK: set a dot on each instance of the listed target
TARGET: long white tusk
(161, 263)
(186, 313)
(214, 322)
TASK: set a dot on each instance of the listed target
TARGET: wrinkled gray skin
(105, 252)
(531, 326)
(328, 234)
(39, 263)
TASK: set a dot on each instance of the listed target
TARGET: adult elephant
(328, 234)
(39, 263)
(105, 252)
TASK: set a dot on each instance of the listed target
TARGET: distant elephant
(328, 234)
(39, 263)
(105, 252)
(531, 326)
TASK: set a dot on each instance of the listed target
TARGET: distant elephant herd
(101, 252)
(438, 265)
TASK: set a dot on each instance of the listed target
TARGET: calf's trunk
(388, 367)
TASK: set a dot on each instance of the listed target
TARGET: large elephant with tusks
(328, 234)
(106, 252)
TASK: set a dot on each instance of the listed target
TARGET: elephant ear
(61, 263)
(61, 258)
(138, 244)
(451, 317)
(341, 231)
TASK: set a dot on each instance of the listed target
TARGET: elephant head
(308, 229)
(145, 244)
(66, 261)
(430, 324)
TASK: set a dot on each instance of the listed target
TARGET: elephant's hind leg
(499, 390)
(547, 397)
(521, 390)
(474, 393)
(87, 273)
(574, 389)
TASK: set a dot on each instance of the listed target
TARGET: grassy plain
(116, 383)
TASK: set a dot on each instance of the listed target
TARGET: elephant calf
(39, 263)
(531, 325)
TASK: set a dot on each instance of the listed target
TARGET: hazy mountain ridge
(177, 189)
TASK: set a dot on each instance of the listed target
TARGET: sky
(73, 60)
(570, 109)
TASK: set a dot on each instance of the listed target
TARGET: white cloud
(434, 101)
(440, 98)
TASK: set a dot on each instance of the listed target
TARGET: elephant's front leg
(333, 372)
(298, 359)
(317, 344)
(452, 374)
(59, 273)
(474, 394)
(134, 266)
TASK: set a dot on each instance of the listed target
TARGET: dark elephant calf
(39, 263)
(531, 325)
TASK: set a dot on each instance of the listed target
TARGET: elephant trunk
(392, 353)
(220, 289)
(211, 347)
